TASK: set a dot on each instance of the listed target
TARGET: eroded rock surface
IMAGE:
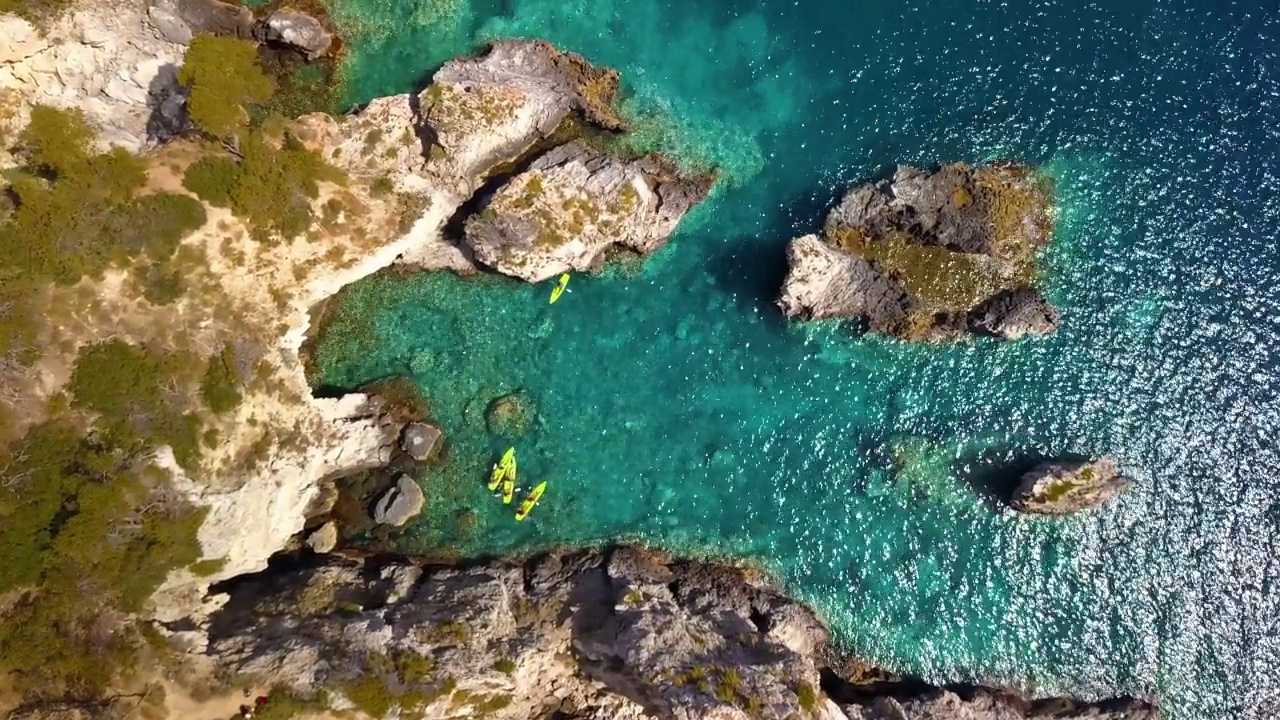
(575, 206)
(399, 504)
(492, 139)
(1063, 488)
(930, 256)
(297, 30)
(983, 704)
(624, 634)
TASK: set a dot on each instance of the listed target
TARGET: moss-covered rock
(931, 256)
(1064, 488)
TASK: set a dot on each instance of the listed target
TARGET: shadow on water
(995, 471)
(752, 267)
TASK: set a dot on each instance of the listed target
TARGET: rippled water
(673, 405)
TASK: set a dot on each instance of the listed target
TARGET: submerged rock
(628, 634)
(297, 30)
(510, 414)
(930, 256)
(575, 206)
(1063, 488)
(400, 504)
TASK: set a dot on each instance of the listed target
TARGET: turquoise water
(671, 404)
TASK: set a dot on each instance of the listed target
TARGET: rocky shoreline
(503, 163)
(620, 633)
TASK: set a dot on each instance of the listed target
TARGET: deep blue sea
(671, 404)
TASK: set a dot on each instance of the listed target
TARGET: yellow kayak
(559, 288)
(504, 467)
(509, 484)
(530, 501)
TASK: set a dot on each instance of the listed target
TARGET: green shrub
(371, 696)
(412, 667)
(505, 666)
(126, 386)
(20, 321)
(223, 76)
(220, 385)
(161, 284)
(154, 224)
(284, 705)
(213, 179)
(78, 520)
(207, 568)
(37, 11)
(55, 141)
(271, 187)
(381, 186)
(77, 212)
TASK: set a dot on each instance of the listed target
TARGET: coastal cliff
(625, 633)
(930, 256)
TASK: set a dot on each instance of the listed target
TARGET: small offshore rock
(324, 539)
(298, 30)
(1063, 488)
(419, 440)
(400, 504)
(930, 256)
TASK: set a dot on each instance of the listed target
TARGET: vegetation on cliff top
(86, 505)
(268, 178)
(77, 212)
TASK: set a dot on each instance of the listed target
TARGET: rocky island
(930, 256)
(1065, 488)
(162, 252)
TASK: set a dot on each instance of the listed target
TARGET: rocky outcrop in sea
(575, 206)
(930, 256)
(1065, 488)
(500, 139)
(627, 633)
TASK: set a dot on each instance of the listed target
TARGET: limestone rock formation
(930, 256)
(574, 206)
(1015, 314)
(20, 38)
(628, 634)
(400, 503)
(567, 205)
(1063, 488)
(181, 20)
(419, 440)
(297, 30)
(106, 59)
(983, 704)
(324, 538)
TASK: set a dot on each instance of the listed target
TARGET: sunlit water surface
(672, 405)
